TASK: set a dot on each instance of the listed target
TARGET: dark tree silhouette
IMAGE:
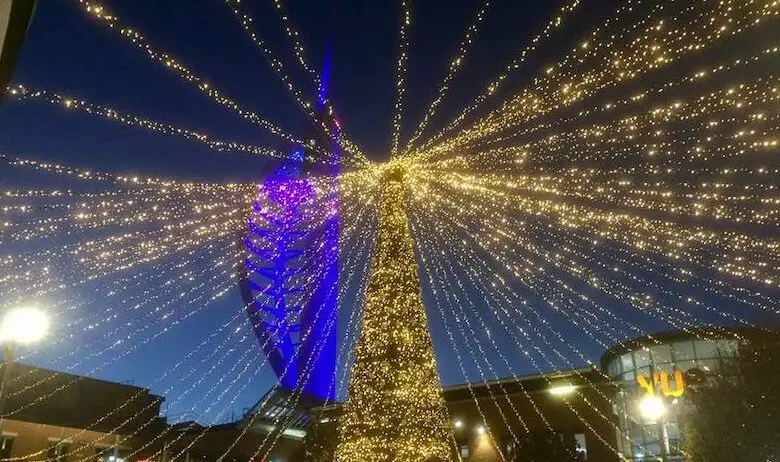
(737, 417)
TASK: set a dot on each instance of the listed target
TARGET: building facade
(634, 408)
(565, 416)
(59, 417)
(653, 374)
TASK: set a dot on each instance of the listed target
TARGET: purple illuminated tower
(289, 277)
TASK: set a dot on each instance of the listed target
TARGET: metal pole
(10, 350)
(664, 439)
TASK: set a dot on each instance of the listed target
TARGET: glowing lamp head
(562, 390)
(481, 430)
(458, 424)
(23, 325)
(652, 407)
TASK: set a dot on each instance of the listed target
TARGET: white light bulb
(24, 325)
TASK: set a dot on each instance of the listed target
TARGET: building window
(6, 445)
(642, 358)
(706, 349)
(613, 369)
(662, 354)
(683, 351)
(728, 348)
(57, 452)
(627, 362)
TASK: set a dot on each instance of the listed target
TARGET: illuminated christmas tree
(394, 410)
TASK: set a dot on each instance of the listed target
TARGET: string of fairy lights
(246, 21)
(455, 65)
(21, 93)
(198, 288)
(631, 184)
(400, 73)
(655, 41)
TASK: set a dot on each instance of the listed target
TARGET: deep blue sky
(68, 53)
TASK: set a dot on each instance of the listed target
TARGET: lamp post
(653, 409)
(20, 326)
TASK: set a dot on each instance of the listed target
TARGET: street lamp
(21, 326)
(652, 408)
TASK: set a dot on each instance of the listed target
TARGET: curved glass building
(653, 374)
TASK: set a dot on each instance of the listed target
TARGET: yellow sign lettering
(662, 378)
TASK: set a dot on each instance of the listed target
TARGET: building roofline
(84, 377)
(519, 379)
(666, 337)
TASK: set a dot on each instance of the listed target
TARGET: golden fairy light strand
(479, 284)
(541, 352)
(102, 262)
(168, 327)
(504, 221)
(560, 312)
(294, 400)
(348, 231)
(294, 36)
(696, 77)
(175, 367)
(151, 279)
(125, 180)
(356, 156)
(355, 315)
(400, 73)
(20, 92)
(455, 65)
(99, 12)
(601, 285)
(724, 123)
(604, 285)
(494, 86)
(452, 299)
(660, 43)
(128, 335)
(422, 239)
(673, 241)
(147, 443)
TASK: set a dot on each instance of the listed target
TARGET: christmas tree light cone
(395, 410)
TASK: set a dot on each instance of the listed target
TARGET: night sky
(68, 53)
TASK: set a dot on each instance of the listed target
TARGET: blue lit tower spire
(289, 276)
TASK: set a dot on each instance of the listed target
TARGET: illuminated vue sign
(660, 380)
